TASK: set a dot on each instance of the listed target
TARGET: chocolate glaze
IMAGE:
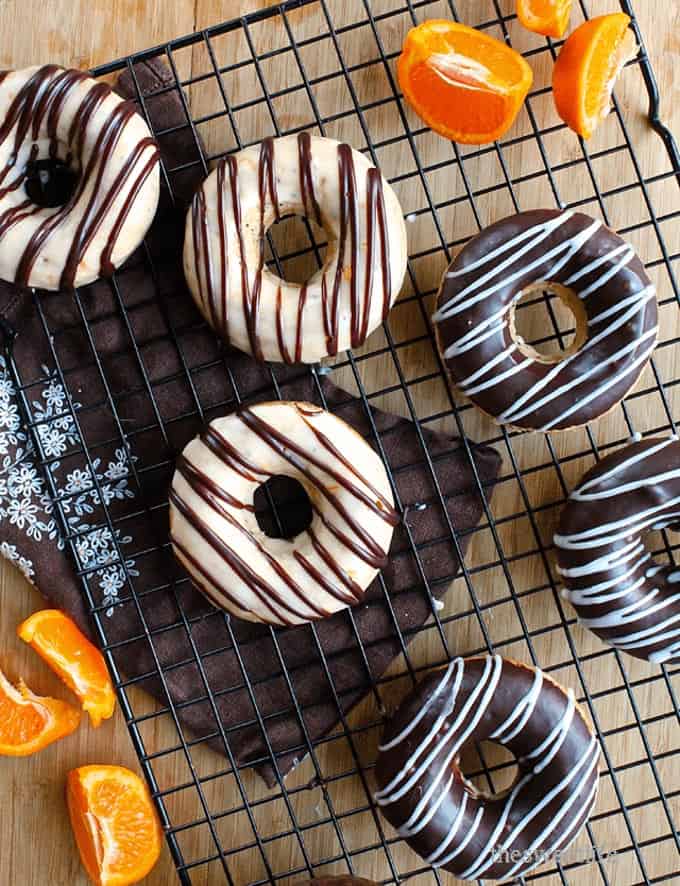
(615, 586)
(442, 816)
(485, 280)
(213, 287)
(337, 582)
(41, 99)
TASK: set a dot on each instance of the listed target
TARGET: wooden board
(35, 842)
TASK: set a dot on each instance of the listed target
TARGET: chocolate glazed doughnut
(617, 589)
(596, 273)
(67, 122)
(443, 817)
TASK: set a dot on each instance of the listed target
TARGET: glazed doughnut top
(610, 294)
(68, 119)
(444, 818)
(216, 535)
(224, 251)
(618, 590)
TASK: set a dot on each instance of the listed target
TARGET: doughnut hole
(282, 507)
(300, 246)
(548, 322)
(499, 760)
(50, 182)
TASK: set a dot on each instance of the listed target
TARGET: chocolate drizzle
(362, 246)
(293, 601)
(309, 201)
(618, 590)
(425, 796)
(40, 103)
(291, 452)
(376, 218)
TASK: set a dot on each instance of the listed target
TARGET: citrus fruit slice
(28, 722)
(463, 83)
(60, 642)
(587, 69)
(547, 17)
(114, 823)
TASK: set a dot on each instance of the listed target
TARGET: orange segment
(547, 17)
(114, 822)
(587, 68)
(29, 722)
(464, 84)
(59, 641)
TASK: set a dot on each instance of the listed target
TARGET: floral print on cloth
(25, 496)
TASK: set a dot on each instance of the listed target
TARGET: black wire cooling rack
(329, 66)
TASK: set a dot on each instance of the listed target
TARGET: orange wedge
(60, 642)
(547, 17)
(28, 722)
(463, 83)
(114, 822)
(587, 69)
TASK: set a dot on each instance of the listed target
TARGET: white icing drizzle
(632, 606)
(580, 494)
(571, 831)
(439, 743)
(540, 232)
(553, 741)
(525, 708)
(607, 276)
(461, 846)
(514, 413)
(478, 863)
(405, 831)
(486, 329)
(407, 730)
(434, 857)
(611, 382)
(466, 299)
(388, 794)
(596, 263)
(512, 262)
(593, 752)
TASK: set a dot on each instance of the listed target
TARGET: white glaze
(102, 197)
(288, 591)
(215, 269)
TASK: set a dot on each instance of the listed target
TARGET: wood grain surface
(36, 846)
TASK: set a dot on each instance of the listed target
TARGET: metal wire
(620, 823)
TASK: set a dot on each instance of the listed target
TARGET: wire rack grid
(329, 66)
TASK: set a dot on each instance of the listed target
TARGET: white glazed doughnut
(67, 117)
(343, 302)
(214, 529)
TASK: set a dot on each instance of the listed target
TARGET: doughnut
(79, 178)
(596, 273)
(214, 529)
(446, 819)
(224, 249)
(617, 589)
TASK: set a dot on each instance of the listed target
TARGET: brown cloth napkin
(142, 374)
